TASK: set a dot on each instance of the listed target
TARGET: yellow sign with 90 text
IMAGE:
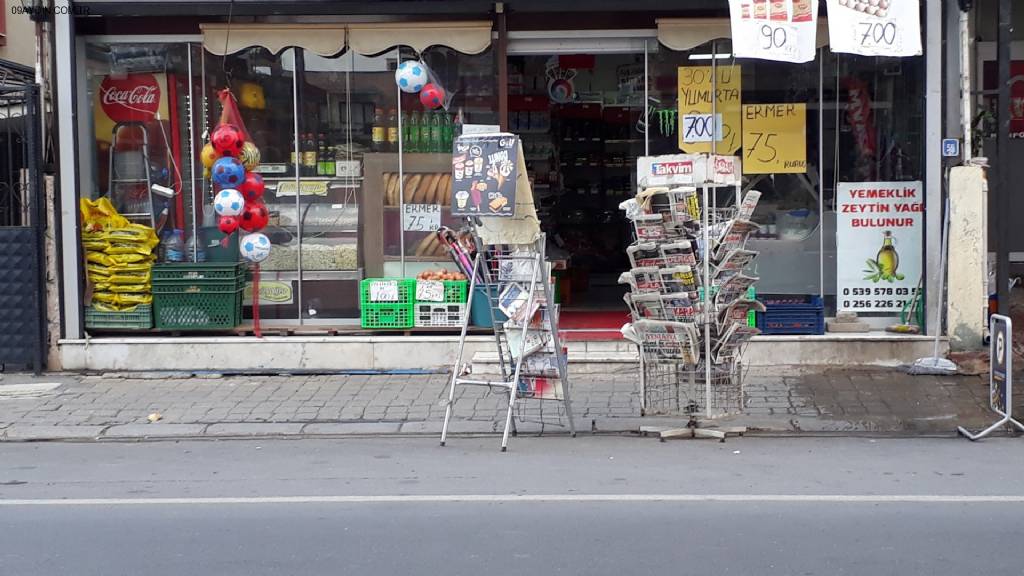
(774, 138)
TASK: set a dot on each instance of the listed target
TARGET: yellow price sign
(774, 138)
(709, 108)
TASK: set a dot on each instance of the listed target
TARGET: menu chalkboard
(484, 171)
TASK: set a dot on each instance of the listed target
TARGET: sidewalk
(64, 407)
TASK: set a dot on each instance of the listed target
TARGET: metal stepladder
(115, 180)
(528, 344)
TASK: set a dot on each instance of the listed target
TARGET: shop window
(136, 154)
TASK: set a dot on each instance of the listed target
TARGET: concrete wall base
(338, 353)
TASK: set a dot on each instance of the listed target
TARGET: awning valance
(466, 37)
(322, 39)
(684, 34)
(330, 39)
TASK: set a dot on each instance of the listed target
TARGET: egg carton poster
(484, 171)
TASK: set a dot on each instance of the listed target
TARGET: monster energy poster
(878, 245)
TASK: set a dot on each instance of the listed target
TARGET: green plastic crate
(140, 318)
(190, 309)
(223, 272)
(398, 313)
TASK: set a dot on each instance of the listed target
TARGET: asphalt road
(617, 506)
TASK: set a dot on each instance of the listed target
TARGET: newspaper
(737, 313)
(646, 280)
(668, 340)
(734, 288)
(732, 263)
(542, 388)
(727, 346)
(734, 237)
(645, 255)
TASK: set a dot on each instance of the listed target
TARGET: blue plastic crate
(792, 318)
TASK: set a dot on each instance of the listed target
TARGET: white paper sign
(429, 291)
(697, 127)
(384, 291)
(875, 27)
(782, 30)
(878, 245)
(421, 217)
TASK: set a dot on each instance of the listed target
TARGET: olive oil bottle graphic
(885, 263)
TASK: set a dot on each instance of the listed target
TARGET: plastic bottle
(412, 137)
(174, 250)
(425, 139)
(378, 134)
(447, 132)
(191, 247)
(392, 131)
(436, 138)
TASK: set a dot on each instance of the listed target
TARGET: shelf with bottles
(428, 131)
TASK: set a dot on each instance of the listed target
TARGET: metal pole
(965, 85)
(401, 173)
(647, 107)
(192, 158)
(298, 163)
(707, 236)
(821, 174)
(1002, 220)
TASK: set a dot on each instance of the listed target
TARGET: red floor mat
(592, 325)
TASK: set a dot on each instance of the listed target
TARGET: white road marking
(518, 498)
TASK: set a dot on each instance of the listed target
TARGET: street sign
(950, 148)
(1000, 376)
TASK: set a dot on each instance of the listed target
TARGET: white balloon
(254, 247)
(229, 202)
(411, 76)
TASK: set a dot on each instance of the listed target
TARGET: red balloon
(227, 140)
(228, 224)
(255, 217)
(432, 96)
(252, 187)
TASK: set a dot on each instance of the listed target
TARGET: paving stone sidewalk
(52, 407)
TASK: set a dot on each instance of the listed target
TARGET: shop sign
(421, 217)
(775, 138)
(878, 245)
(669, 170)
(484, 173)
(875, 28)
(704, 93)
(306, 187)
(782, 30)
(271, 293)
(131, 98)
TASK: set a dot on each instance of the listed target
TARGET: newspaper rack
(516, 281)
(688, 292)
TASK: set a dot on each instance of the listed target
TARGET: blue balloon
(227, 172)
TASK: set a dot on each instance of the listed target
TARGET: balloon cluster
(239, 191)
(413, 76)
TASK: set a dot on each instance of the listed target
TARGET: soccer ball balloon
(228, 224)
(250, 156)
(252, 187)
(228, 172)
(254, 217)
(209, 155)
(228, 202)
(254, 247)
(411, 76)
(432, 96)
(227, 140)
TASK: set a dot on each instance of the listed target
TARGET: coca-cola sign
(130, 98)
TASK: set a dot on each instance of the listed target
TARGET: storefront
(319, 100)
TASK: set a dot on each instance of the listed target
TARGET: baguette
(444, 190)
(426, 188)
(391, 181)
(411, 187)
(421, 248)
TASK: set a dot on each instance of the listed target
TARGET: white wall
(21, 37)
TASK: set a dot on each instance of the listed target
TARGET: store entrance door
(580, 119)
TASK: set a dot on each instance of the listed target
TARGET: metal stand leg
(458, 360)
(974, 437)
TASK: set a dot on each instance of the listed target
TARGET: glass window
(137, 146)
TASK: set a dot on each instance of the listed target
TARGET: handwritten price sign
(877, 28)
(775, 139)
(421, 217)
(700, 91)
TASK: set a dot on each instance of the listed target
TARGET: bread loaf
(411, 187)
